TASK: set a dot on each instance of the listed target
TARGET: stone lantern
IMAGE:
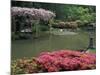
(91, 29)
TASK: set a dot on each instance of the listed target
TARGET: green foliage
(24, 66)
(64, 11)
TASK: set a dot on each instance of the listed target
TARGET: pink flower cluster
(32, 13)
(66, 60)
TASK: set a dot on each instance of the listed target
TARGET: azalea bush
(66, 60)
(66, 24)
(23, 66)
(63, 60)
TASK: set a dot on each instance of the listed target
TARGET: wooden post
(14, 27)
(36, 27)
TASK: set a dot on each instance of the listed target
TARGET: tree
(23, 18)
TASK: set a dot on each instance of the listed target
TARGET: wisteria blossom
(32, 13)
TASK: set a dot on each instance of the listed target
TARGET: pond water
(30, 48)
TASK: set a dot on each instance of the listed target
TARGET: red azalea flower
(66, 60)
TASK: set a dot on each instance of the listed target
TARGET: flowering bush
(24, 66)
(63, 60)
(66, 60)
(32, 13)
(28, 20)
(69, 25)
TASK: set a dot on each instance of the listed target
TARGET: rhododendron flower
(66, 60)
(63, 60)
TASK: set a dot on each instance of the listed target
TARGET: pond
(30, 48)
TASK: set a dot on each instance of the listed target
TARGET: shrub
(64, 60)
(24, 66)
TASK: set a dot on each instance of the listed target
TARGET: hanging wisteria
(32, 13)
(24, 18)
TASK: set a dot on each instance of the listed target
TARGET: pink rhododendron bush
(66, 60)
(63, 60)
